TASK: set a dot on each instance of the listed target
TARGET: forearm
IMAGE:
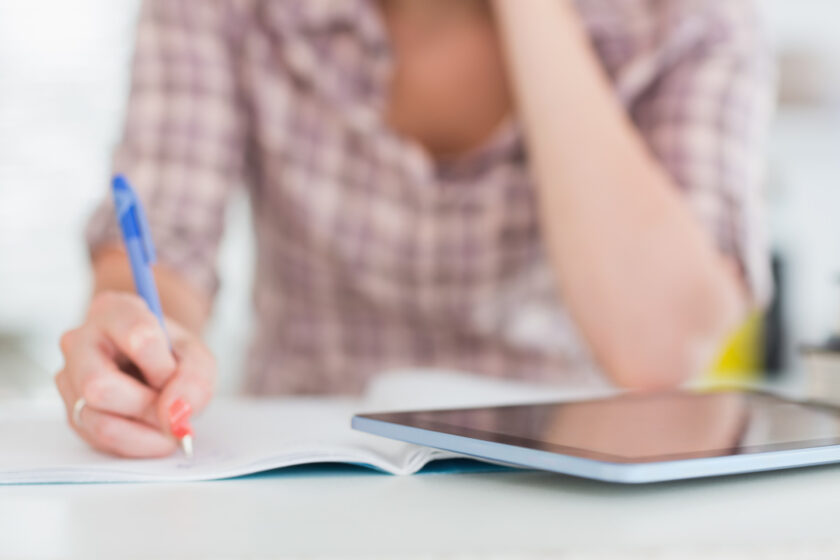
(112, 272)
(638, 274)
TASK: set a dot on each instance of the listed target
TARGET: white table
(350, 513)
(345, 512)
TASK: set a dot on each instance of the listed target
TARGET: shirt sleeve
(183, 140)
(706, 119)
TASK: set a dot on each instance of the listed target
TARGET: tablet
(631, 438)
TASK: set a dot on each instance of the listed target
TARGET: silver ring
(77, 411)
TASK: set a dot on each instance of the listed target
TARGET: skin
(124, 416)
(647, 289)
(636, 429)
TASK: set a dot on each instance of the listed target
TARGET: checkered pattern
(370, 254)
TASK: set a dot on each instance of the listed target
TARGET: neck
(429, 11)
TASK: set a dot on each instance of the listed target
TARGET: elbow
(670, 366)
(675, 348)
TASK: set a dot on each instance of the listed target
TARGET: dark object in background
(775, 335)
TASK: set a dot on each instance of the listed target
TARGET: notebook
(240, 436)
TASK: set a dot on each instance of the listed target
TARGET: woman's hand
(120, 362)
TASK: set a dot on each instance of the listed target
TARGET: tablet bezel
(529, 453)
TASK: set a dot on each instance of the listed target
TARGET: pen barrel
(144, 281)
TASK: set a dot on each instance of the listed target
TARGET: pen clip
(132, 218)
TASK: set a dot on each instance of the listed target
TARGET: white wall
(61, 95)
(805, 164)
(63, 82)
(804, 22)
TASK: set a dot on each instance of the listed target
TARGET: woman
(433, 182)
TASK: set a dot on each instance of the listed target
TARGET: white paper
(235, 437)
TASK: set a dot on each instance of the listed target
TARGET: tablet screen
(643, 428)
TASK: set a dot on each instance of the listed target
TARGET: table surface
(338, 512)
(350, 512)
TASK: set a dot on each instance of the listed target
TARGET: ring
(77, 411)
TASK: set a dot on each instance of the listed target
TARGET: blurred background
(63, 82)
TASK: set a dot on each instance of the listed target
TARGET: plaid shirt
(370, 254)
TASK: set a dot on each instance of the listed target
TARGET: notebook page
(233, 438)
(242, 436)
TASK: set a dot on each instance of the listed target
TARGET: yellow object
(740, 361)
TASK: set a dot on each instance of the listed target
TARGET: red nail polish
(182, 430)
(179, 418)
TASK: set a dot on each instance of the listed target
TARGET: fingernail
(182, 430)
(179, 418)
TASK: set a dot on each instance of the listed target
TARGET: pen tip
(187, 446)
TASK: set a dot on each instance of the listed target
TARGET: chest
(448, 88)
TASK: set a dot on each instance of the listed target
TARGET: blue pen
(141, 253)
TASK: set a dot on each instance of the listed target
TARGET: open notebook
(236, 437)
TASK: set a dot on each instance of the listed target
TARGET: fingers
(193, 382)
(123, 415)
(127, 322)
(108, 389)
(111, 433)
(92, 374)
(122, 437)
